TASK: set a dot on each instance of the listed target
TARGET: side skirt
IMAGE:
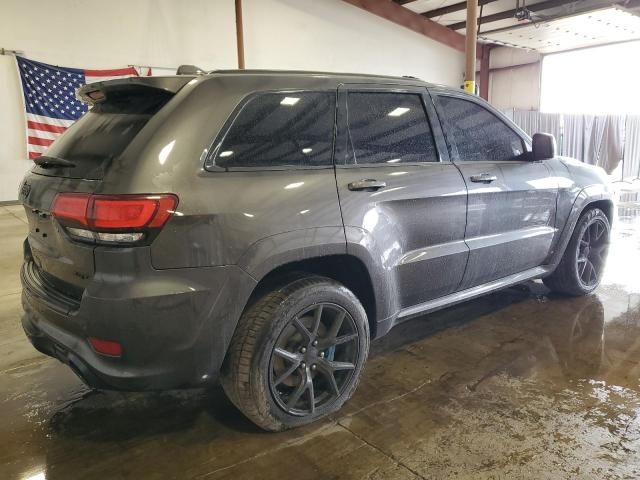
(463, 295)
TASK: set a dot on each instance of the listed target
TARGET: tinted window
(389, 128)
(105, 131)
(477, 133)
(281, 129)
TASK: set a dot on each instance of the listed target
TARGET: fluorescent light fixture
(307, 150)
(394, 160)
(250, 215)
(289, 101)
(226, 153)
(293, 185)
(396, 112)
(398, 173)
(302, 212)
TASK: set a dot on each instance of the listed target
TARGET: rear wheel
(297, 353)
(582, 264)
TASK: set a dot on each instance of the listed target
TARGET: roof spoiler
(97, 92)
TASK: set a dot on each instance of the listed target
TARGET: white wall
(336, 36)
(517, 83)
(296, 34)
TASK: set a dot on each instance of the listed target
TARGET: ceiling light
(226, 153)
(398, 111)
(394, 160)
(289, 101)
(293, 185)
(307, 150)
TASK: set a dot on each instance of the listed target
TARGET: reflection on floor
(520, 384)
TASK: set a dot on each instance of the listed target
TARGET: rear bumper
(174, 325)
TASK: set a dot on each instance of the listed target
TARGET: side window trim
(450, 142)
(209, 155)
(343, 134)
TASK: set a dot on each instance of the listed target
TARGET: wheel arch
(606, 205)
(594, 196)
(347, 269)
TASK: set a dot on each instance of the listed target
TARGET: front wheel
(297, 353)
(580, 269)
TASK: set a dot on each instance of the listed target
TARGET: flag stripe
(42, 134)
(39, 141)
(115, 72)
(37, 148)
(33, 155)
(49, 120)
(45, 127)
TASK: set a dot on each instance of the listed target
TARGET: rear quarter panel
(220, 214)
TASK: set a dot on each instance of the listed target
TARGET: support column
(470, 47)
(239, 34)
(484, 72)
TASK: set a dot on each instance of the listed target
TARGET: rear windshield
(104, 132)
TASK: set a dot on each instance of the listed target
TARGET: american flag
(50, 98)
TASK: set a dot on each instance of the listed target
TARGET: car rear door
(400, 196)
(512, 200)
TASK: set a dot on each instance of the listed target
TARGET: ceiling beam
(456, 7)
(512, 13)
(403, 16)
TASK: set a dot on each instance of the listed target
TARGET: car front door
(512, 200)
(401, 197)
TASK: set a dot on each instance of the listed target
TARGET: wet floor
(519, 384)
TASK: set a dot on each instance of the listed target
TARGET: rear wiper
(45, 161)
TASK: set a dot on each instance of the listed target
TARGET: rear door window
(389, 128)
(476, 133)
(277, 129)
(104, 132)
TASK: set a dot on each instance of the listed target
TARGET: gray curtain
(573, 136)
(603, 141)
(631, 167)
(528, 121)
(536, 122)
(597, 140)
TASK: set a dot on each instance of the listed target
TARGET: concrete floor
(519, 384)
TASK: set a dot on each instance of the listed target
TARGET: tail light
(113, 219)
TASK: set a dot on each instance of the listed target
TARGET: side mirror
(543, 146)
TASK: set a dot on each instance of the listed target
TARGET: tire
(570, 276)
(270, 342)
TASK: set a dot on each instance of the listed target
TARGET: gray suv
(261, 228)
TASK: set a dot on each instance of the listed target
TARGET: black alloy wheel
(298, 352)
(592, 252)
(582, 264)
(313, 359)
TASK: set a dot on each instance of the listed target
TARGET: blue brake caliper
(331, 353)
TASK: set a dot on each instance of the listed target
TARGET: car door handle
(483, 178)
(368, 185)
